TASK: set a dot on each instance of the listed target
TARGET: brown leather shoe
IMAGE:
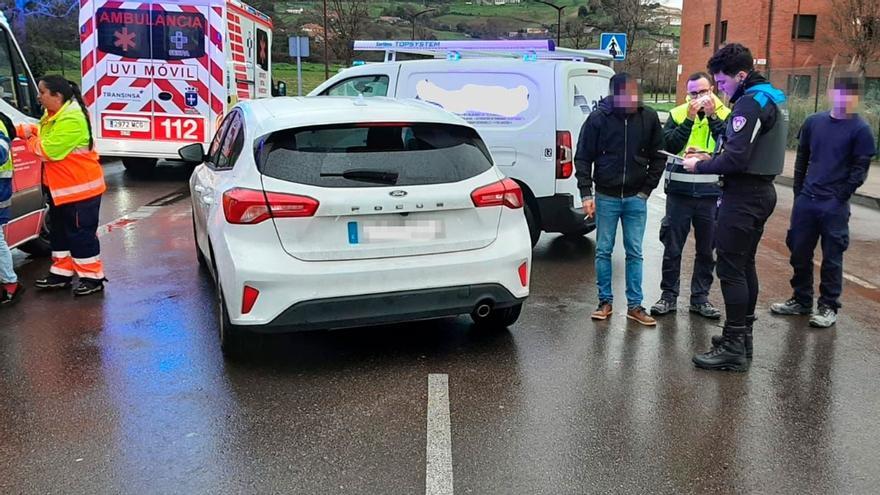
(602, 312)
(638, 314)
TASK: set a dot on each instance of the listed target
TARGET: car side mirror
(193, 153)
(282, 88)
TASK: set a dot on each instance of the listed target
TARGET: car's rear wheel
(139, 166)
(497, 318)
(532, 221)
(203, 262)
(39, 247)
(231, 336)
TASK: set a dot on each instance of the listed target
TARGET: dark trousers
(746, 204)
(74, 227)
(811, 219)
(681, 212)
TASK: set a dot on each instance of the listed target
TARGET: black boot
(750, 323)
(730, 355)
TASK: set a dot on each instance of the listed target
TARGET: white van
(527, 98)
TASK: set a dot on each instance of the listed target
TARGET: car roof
(272, 114)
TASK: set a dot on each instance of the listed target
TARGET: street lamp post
(559, 9)
(326, 42)
(414, 20)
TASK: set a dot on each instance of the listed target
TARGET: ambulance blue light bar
(457, 45)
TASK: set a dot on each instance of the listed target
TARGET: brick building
(791, 37)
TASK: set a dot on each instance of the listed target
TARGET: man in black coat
(619, 152)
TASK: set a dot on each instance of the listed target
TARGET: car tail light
(524, 273)
(502, 193)
(564, 155)
(249, 206)
(248, 299)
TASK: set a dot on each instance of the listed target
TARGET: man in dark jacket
(752, 155)
(619, 151)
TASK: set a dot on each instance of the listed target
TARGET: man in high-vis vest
(751, 155)
(691, 199)
(10, 289)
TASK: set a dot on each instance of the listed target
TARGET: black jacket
(620, 153)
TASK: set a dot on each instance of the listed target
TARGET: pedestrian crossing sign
(614, 44)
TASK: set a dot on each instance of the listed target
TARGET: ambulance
(160, 74)
(18, 104)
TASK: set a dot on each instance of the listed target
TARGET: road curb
(859, 199)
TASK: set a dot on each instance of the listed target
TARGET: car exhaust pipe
(483, 308)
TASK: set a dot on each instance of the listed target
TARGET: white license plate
(414, 230)
(140, 125)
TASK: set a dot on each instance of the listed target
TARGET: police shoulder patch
(738, 123)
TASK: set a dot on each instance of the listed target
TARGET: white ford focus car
(325, 213)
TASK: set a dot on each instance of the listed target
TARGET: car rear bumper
(559, 213)
(293, 292)
(387, 308)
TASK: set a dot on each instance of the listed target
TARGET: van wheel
(231, 336)
(139, 166)
(497, 319)
(578, 233)
(39, 247)
(532, 222)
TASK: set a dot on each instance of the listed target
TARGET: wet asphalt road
(127, 392)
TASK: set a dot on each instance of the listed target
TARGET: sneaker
(88, 286)
(663, 307)
(791, 307)
(10, 293)
(706, 310)
(603, 311)
(640, 315)
(53, 281)
(823, 317)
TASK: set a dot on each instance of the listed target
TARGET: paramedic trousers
(746, 204)
(681, 212)
(812, 218)
(74, 240)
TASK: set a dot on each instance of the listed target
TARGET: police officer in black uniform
(750, 156)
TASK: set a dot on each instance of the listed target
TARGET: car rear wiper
(375, 176)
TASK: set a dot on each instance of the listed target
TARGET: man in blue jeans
(619, 151)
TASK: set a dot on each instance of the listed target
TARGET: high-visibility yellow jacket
(72, 171)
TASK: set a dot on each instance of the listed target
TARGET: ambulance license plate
(141, 125)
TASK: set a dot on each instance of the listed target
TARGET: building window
(799, 85)
(804, 27)
(707, 30)
(724, 31)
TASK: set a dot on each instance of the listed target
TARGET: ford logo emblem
(397, 194)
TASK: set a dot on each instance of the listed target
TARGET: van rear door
(581, 87)
(181, 71)
(510, 102)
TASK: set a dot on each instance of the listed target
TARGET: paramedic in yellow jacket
(72, 173)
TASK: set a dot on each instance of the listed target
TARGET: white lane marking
(438, 474)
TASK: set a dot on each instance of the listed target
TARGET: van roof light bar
(456, 49)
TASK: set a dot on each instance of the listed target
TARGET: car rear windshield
(374, 155)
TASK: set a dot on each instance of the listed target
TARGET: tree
(578, 33)
(20, 11)
(857, 23)
(633, 17)
(346, 23)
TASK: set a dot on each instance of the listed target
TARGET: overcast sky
(671, 3)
